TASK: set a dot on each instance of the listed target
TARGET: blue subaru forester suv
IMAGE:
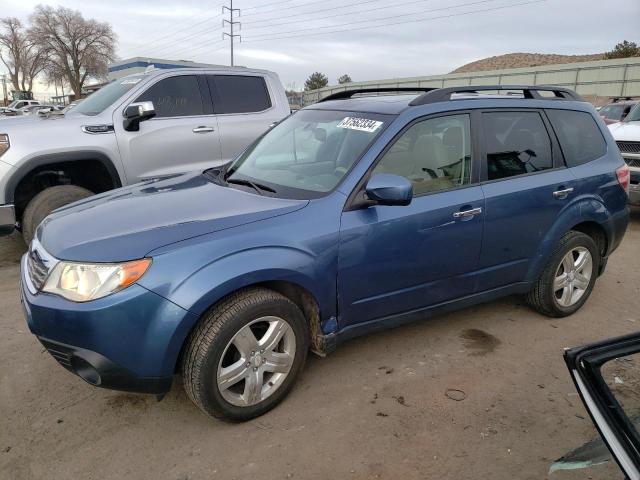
(367, 210)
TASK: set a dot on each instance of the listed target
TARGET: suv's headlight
(4, 143)
(81, 282)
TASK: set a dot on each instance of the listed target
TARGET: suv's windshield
(634, 114)
(309, 153)
(98, 101)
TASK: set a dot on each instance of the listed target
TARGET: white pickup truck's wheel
(245, 354)
(46, 202)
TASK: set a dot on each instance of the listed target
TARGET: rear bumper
(129, 340)
(634, 186)
(634, 195)
(7, 219)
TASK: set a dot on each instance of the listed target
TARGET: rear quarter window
(239, 93)
(580, 138)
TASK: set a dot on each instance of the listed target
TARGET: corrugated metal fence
(597, 81)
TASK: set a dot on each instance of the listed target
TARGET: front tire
(568, 279)
(46, 202)
(244, 356)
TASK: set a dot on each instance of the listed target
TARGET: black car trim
(585, 363)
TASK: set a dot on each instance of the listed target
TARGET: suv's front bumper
(125, 341)
(7, 219)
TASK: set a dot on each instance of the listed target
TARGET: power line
(267, 5)
(190, 27)
(339, 14)
(357, 22)
(198, 46)
(356, 4)
(396, 23)
(289, 7)
(188, 37)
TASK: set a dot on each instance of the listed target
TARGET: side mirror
(389, 189)
(136, 113)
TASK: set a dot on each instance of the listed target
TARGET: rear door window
(580, 138)
(175, 97)
(517, 143)
(239, 93)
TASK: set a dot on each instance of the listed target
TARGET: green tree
(344, 79)
(316, 80)
(623, 50)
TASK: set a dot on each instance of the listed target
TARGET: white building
(128, 66)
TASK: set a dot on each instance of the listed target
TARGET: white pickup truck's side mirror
(136, 113)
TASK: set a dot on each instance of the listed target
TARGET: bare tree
(77, 48)
(19, 54)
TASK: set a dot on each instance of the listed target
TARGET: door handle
(468, 213)
(562, 193)
(202, 129)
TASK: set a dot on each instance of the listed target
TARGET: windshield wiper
(256, 186)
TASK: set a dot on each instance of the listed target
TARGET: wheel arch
(25, 183)
(589, 216)
(294, 291)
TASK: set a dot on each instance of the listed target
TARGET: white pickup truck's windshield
(309, 153)
(97, 102)
(634, 114)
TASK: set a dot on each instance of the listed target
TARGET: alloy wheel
(573, 276)
(256, 361)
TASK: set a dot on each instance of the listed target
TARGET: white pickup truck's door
(183, 136)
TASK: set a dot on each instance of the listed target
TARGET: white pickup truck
(627, 136)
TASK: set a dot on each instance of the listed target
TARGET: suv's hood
(626, 131)
(130, 222)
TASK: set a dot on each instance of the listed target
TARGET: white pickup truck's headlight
(81, 282)
(4, 143)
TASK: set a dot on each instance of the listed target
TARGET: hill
(517, 60)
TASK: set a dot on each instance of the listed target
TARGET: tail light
(624, 177)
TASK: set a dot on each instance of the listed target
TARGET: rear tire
(568, 278)
(47, 201)
(244, 356)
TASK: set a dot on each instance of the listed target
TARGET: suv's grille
(629, 147)
(36, 269)
(633, 162)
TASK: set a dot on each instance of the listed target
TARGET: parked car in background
(34, 109)
(149, 125)
(353, 215)
(9, 112)
(617, 111)
(627, 136)
(18, 104)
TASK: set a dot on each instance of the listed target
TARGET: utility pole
(231, 23)
(4, 89)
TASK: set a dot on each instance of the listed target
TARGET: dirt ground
(379, 407)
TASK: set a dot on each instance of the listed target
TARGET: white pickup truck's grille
(630, 152)
(629, 147)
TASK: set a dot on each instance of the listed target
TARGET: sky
(366, 39)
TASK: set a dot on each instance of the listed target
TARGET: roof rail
(528, 91)
(350, 93)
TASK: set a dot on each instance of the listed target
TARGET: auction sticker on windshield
(362, 124)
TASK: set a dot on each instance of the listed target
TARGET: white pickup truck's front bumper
(7, 219)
